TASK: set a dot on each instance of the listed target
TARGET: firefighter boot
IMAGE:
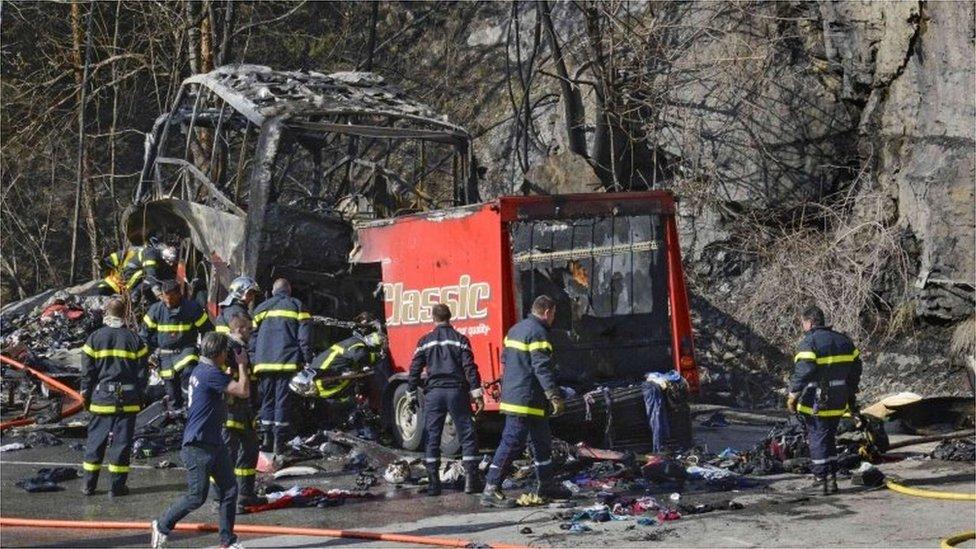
(118, 485)
(832, 484)
(91, 481)
(247, 494)
(546, 487)
(267, 441)
(434, 478)
(493, 497)
(472, 478)
(818, 485)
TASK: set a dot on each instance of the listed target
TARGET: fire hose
(50, 382)
(954, 539)
(252, 529)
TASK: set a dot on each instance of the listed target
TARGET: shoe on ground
(832, 485)
(554, 492)
(817, 486)
(159, 539)
(86, 491)
(493, 497)
(234, 545)
(119, 492)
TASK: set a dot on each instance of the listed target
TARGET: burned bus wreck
(261, 172)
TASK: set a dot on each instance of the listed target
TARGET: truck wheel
(450, 443)
(407, 420)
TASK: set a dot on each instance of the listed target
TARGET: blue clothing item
(276, 404)
(655, 402)
(670, 376)
(826, 374)
(517, 429)
(438, 402)
(529, 371)
(207, 410)
(203, 461)
(821, 438)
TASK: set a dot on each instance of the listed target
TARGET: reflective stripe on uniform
(245, 472)
(222, 329)
(91, 466)
(180, 364)
(820, 413)
(118, 353)
(232, 424)
(528, 347)
(112, 468)
(181, 327)
(202, 320)
(805, 355)
(518, 409)
(112, 409)
(282, 313)
(274, 367)
(426, 346)
(838, 359)
(324, 392)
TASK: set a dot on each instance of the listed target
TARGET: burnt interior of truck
(608, 276)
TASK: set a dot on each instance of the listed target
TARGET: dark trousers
(121, 427)
(517, 429)
(176, 387)
(438, 403)
(203, 461)
(276, 405)
(242, 445)
(821, 434)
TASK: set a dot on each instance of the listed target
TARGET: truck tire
(408, 430)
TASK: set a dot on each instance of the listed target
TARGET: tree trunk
(371, 45)
(193, 36)
(573, 110)
(83, 180)
(226, 52)
(206, 40)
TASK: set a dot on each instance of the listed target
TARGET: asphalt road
(776, 512)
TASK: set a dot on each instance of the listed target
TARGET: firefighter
(528, 386)
(171, 328)
(825, 380)
(113, 384)
(353, 355)
(280, 347)
(240, 429)
(158, 264)
(116, 281)
(453, 384)
(243, 291)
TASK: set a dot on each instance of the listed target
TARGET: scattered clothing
(47, 479)
(13, 447)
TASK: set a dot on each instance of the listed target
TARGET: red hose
(52, 383)
(252, 529)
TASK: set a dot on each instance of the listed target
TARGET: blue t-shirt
(206, 412)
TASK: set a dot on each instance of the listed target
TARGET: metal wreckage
(368, 201)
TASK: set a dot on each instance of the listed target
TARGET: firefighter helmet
(375, 340)
(303, 383)
(238, 289)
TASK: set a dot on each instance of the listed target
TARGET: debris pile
(955, 450)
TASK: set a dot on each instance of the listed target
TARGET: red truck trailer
(610, 260)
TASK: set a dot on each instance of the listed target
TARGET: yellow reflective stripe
(518, 409)
(113, 283)
(336, 350)
(282, 313)
(113, 409)
(166, 374)
(91, 466)
(820, 413)
(149, 322)
(114, 259)
(184, 361)
(222, 329)
(149, 263)
(245, 472)
(274, 367)
(118, 353)
(230, 423)
(838, 359)
(528, 347)
(326, 393)
(174, 327)
(112, 468)
(200, 321)
(805, 355)
(136, 277)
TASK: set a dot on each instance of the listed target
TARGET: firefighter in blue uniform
(243, 291)
(120, 279)
(171, 328)
(353, 355)
(452, 385)
(113, 384)
(825, 381)
(529, 396)
(139, 270)
(240, 428)
(280, 347)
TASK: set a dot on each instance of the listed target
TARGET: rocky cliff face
(859, 112)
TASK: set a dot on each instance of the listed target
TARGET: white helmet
(238, 289)
(169, 254)
(303, 383)
(375, 340)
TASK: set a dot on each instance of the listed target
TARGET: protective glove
(557, 402)
(791, 402)
(479, 405)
